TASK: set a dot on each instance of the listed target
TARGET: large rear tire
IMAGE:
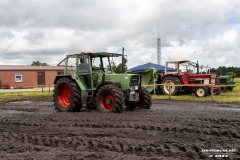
(174, 90)
(217, 91)
(109, 98)
(67, 95)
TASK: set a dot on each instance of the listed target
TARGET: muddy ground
(170, 130)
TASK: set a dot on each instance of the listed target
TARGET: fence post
(212, 93)
(169, 93)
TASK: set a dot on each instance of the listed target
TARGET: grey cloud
(45, 30)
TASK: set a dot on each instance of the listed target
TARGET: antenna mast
(158, 48)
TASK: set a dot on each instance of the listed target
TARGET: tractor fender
(61, 76)
(169, 76)
(109, 82)
(173, 75)
(105, 83)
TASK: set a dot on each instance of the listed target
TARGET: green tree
(38, 63)
(44, 64)
(118, 68)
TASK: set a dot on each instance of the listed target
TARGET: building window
(18, 77)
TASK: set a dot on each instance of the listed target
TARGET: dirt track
(170, 130)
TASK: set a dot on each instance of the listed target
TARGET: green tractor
(227, 80)
(89, 81)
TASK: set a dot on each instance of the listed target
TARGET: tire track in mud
(193, 127)
(125, 145)
(115, 144)
(140, 135)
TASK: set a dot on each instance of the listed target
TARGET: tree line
(222, 70)
(38, 63)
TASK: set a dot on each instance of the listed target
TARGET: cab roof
(178, 61)
(102, 54)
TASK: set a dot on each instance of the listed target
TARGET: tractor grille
(134, 80)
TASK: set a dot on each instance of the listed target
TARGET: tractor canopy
(227, 79)
(96, 54)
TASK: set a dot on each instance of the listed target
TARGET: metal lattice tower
(158, 48)
(159, 51)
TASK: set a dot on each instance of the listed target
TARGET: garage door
(41, 78)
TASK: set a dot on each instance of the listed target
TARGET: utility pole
(158, 48)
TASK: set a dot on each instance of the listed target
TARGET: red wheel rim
(107, 102)
(65, 96)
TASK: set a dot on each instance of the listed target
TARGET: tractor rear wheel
(109, 98)
(174, 90)
(217, 91)
(201, 91)
(230, 88)
(145, 101)
(67, 95)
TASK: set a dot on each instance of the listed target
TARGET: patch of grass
(237, 80)
(230, 96)
(29, 95)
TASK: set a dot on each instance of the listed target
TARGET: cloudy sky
(44, 30)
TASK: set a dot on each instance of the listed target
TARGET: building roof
(142, 67)
(30, 68)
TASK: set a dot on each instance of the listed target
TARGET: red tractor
(181, 73)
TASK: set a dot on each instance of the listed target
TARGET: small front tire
(201, 91)
(109, 98)
(145, 101)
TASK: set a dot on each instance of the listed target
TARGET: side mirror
(125, 60)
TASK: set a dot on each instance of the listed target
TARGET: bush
(0, 83)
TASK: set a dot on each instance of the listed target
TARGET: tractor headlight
(73, 76)
(134, 88)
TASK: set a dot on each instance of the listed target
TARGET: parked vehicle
(181, 73)
(89, 81)
(227, 80)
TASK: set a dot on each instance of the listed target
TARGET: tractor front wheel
(109, 98)
(66, 95)
(145, 101)
(201, 91)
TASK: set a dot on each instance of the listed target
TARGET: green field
(230, 96)
(30, 95)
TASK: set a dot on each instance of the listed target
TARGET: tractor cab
(89, 67)
(180, 67)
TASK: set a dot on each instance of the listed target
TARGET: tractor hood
(126, 80)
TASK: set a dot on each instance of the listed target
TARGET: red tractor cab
(182, 72)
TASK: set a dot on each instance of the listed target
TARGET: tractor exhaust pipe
(197, 67)
(220, 68)
(123, 61)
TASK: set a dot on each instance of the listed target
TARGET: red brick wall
(50, 77)
(29, 78)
